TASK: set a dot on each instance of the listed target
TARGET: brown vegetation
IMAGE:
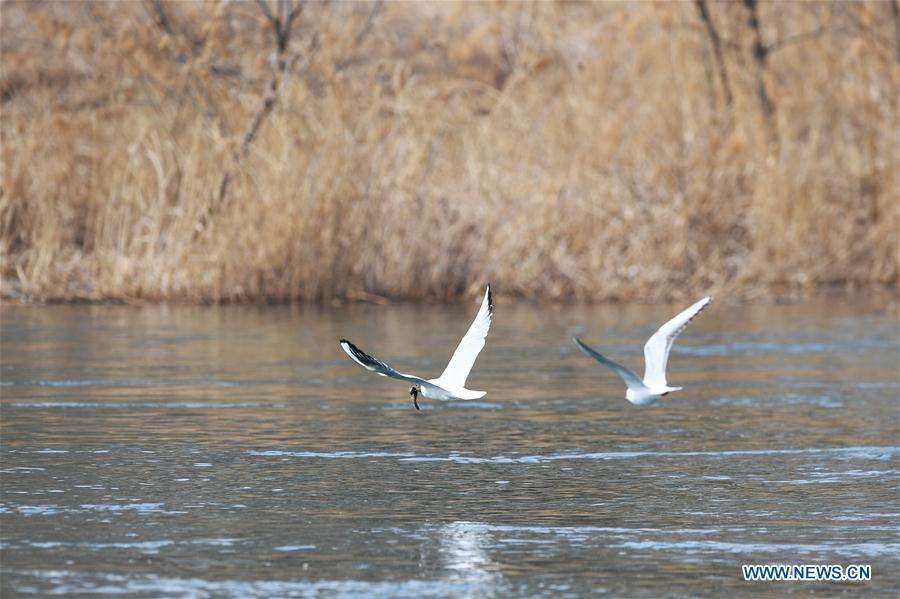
(585, 151)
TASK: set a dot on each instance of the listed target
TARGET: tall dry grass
(581, 151)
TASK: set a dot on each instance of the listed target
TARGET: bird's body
(452, 382)
(434, 389)
(647, 396)
(647, 391)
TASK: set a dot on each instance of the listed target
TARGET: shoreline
(772, 295)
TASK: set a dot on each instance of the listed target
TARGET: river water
(238, 452)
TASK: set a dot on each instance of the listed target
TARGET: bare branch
(264, 7)
(288, 21)
(370, 19)
(282, 22)
(360, 36)
(799, 37)
(162, 17)
(895, 10)
(275, 22)
(287, 13)
(717, 49)
(760, 53)
(295, 11)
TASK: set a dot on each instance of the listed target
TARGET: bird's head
(414, 393)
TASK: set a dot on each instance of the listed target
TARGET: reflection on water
(183, 451)
(465, 549)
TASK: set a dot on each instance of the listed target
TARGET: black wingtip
(490, 299)
(362, 357)
(584, 347)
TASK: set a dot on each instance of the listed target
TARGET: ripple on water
(125, 383)
(287, 548)
(871, 453)
(783, 399)
(329, 454)
(122, 383)
(64, 582)
(142, 405)
(54, 509)
(818, 549)
(683, 541)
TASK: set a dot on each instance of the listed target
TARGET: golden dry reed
(584, 151)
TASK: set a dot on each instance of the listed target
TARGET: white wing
(457, 371)
(657, 348)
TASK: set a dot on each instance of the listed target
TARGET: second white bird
(656, 354)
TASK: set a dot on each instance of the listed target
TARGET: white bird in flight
(452, 383)
(656, 354)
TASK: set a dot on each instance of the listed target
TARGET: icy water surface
(237, 452)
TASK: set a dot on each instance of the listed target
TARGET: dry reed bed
(562, 151)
